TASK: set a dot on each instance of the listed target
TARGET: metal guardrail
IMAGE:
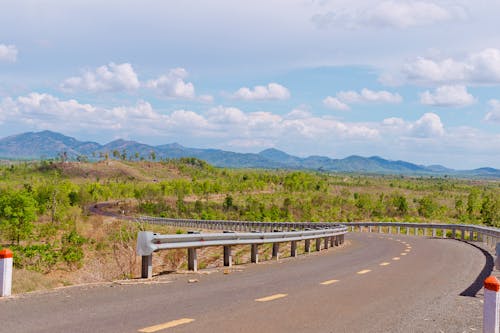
(488, 235)
(149, 242)
(238, 225)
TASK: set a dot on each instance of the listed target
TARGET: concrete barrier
(6, 272)
(491, 310)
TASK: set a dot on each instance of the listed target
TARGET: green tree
(17, 214)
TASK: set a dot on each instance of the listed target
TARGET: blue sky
(411, 80)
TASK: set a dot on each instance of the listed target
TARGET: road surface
(375, 283)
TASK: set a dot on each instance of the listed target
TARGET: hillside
(49, 145)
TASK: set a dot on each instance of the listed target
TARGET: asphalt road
(376, 283)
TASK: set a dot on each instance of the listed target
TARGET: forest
(45, 217)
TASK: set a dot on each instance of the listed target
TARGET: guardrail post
(332, 241)
(416, 231)
(307, 246)
(434, 232)
(318, 244)
(5, 272)
(337, 240)
(453, 233)
(254, 255)
(192, 259)
(407, 231)
(444, 233)
(342, 239)
(293, 248)
(326, 243)
(399, 230)
(370, 228)
(479, 237)
(463, 234)
(228, 256)
(379, 229)
(276, 251)
(491, 309)
(147, 267)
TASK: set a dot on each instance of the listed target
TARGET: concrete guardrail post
(407, 231)
(293, 248)
(462, 234)
(307, 246)
(318, 244)
(399, 230)
(228, 256)
(379, 229)
(276, 251)
(491, 309)
(415, 232)
(192, 259)
(6, 272)
(370, 228)
(254, 255)
(434, 232)
(147, 267)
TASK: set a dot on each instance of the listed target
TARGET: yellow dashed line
(163, 326)
(271, 298)
(364, 271)
(396, 258)
(384, 263)
(329, 282)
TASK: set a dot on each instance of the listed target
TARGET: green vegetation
(45, 219)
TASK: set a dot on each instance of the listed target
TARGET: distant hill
(47, 145)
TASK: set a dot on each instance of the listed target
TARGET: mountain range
(48, 145)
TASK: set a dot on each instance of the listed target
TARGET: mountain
(49, 145)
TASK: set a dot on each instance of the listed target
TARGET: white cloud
(8, 53)
(448, 96)
(494, 114)
(344, 98)
(273, 91)
(369, 96)
(334, 103)
(112, 77)
(429, 125)
(477, 68)
(173, 84)
(388, 14)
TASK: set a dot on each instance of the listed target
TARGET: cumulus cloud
(388, 14)
(273, 91)
(173, 84)
(111, 77)
(8, 53)
(494, 114)
(448, 96)
(477, 68)
(335, 104)
(427, 126)
(344, 98)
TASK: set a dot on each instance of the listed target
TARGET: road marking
(407, 250)
(271, 298)
(396, 258)
(164, 326)
(408, 246)
(403, 254)
(384, 263)
(327, 282)
(364, 271)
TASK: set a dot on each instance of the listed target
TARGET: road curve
(376, 283)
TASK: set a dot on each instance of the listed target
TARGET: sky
(405, 80)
